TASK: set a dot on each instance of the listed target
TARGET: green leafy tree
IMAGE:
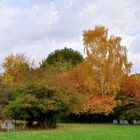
(36, 104)
(63, 60)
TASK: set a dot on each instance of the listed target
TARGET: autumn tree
(90, 101)
(39, 96)
(15, 66)
(128, 99)
(106, 58)
(98, 78)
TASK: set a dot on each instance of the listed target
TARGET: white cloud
(134, 58)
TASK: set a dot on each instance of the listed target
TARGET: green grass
(77, 132)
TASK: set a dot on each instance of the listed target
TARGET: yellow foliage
(106, 58)
(14, 66)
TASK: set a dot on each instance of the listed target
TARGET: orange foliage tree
(129, 98)
(99, 77)
(107, 59)
(89, 100)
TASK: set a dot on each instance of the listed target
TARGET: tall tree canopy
(107, 59)
(64, 59)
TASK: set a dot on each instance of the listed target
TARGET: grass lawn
(77, 132)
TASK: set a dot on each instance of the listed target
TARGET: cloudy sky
(37, 27)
